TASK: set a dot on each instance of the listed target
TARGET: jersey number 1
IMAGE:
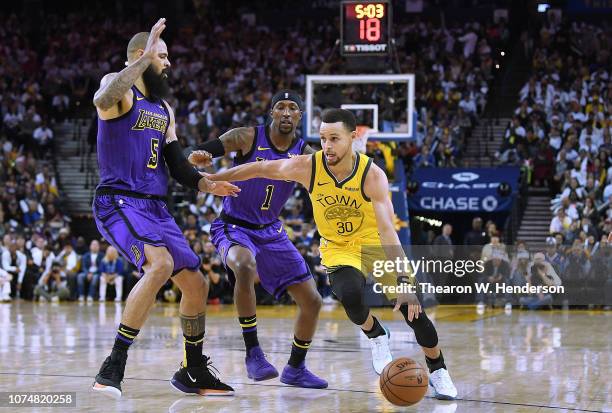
(153, 159)
(269, 190)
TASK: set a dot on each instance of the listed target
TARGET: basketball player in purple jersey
(252, 242)
(136, 140)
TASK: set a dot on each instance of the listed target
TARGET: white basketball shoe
(381, 354)
(442, 385)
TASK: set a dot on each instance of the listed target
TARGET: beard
(156, 83)
(283, 128)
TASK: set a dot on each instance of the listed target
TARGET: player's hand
(154, 35)
(414, 307)
(200, 159)
(220, 188)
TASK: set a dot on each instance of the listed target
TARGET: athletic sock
(435, 364)
(249, 331)
(376, 331)
(298, 351)
(193, 350)
(124, 338)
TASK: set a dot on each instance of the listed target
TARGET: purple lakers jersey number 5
(261, 200)
(130, 148)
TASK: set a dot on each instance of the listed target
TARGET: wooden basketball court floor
(546, 361)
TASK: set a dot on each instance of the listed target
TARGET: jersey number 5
(266, 205)
(153, 159)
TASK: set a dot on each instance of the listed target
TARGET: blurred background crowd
(559, 133)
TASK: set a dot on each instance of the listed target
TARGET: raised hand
(154, 35)
(200, 159)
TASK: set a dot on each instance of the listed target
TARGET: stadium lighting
(542, 7)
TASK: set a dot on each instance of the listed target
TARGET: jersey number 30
(153, 159)
(266, 205)
(344, 227)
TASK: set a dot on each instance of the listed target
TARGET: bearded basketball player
(136, 140)
(252, 242)
(354, 215)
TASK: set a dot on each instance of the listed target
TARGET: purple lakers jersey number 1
(261, 200)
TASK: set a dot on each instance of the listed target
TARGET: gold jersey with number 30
(344, 215)
(345, 218)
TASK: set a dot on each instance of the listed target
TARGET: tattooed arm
(114, 97)
(234, 140)
(238, 140)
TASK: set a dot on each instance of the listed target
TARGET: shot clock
(365, 27)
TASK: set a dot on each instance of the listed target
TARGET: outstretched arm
(297, 169)
(234, 140)
(376, 187)
(308, 150)
(114, 87)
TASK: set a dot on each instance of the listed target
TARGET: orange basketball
(404, 382)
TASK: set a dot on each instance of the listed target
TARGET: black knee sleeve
(347, 284)
(424, 329)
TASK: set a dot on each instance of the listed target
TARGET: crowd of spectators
(560, 133)
(586, 277)
(454, 68)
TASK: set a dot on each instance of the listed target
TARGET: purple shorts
(129, 223)
(279, 263)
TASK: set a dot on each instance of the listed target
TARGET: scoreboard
(365, 27)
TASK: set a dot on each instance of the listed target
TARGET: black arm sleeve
(214, 147)
(179, 166)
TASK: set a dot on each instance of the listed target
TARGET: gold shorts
(360, 257)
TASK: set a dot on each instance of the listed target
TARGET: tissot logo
(465, 176)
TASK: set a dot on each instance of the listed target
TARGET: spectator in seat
(496, 271)
(543, 164)
(555, 255)
(111, 272)
(540, 273)
(493, 246)
(5, 285)
(576, 274)
(69, 260)
(476, 236)
(90, 272)
(444, 243)
(219, 285)
(14, 262)
(53, 286)
(424, 159)
(43, 138)
(560, 223)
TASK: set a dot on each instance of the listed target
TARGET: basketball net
(363, 133)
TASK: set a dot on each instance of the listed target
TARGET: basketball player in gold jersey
(352, 210)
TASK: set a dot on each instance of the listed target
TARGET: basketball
(404, 382)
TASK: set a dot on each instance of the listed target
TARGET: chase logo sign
(465, 176)
(460, 190)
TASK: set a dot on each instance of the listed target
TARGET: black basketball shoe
(108, 380)
(200, 380)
